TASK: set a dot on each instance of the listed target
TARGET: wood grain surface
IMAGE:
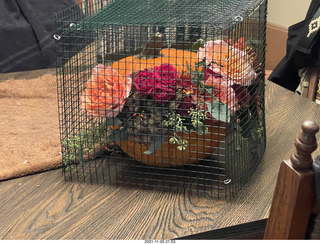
(44, 206)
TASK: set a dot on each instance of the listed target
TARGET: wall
(281, 14)
(287, 12)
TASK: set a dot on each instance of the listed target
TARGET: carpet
(29, 126)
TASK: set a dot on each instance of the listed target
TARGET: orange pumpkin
(200, 146)
(177, 58)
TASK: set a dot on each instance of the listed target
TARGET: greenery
(82, 142)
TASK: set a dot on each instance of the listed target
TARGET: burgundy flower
(145, 81)
(168, 74)
(184, 106)
(242, 94)
(162, 94)
(184, 81)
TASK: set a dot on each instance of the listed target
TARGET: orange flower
(231, 61)
(106, 92)
(253, 57)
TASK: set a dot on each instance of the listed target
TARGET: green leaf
(210, 87)
(188, 66)
(213, 62)
(210, 90)
(197, 44)
(156, 143)
(202, 63)
(219, 110)
(113, 121)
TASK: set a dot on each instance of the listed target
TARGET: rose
(254, 59)
(162, 94)
(214, 79)
(164, 83)
(230, 60)
(145, 81)
(159, 84)
(106, 92)
(167, 74)
(214, 73)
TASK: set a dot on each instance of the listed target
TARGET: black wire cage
(162, 94)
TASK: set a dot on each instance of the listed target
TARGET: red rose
(167, 74)
(144, 82)
(162, 94)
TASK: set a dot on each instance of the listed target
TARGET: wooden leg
(294, 195)
(291, 205)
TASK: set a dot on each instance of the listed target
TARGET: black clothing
(26, 33)
(297, 56)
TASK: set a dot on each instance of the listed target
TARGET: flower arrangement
(152, 102)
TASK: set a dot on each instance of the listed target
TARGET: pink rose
(162, 94)
(214, 78)
(223, 91)
(144, 82)
(207, 52)
(167, 73)
(231, 61)
(216, 73)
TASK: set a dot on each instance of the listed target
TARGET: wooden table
(44, 206)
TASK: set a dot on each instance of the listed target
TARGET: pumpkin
(177, 58)
(200, 146)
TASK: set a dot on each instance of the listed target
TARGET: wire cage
(162, 94)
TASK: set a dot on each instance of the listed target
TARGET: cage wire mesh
(162, 94)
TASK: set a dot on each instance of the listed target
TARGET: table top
(44, 206)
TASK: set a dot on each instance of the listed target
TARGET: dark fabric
(26, 31)
(316, 170)
(297, 56)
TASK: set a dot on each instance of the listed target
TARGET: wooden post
(294, 194)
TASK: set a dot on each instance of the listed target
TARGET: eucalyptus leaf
(210, 91)
(113, 121)
(219, 110)
(156, 143)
